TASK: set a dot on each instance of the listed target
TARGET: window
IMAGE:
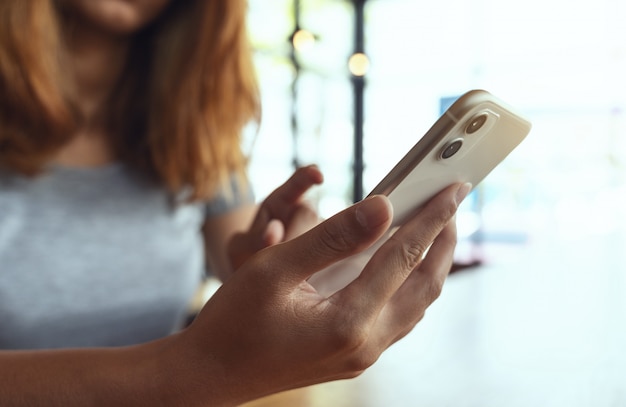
(561, 63)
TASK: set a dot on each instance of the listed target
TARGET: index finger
(293, 189)
(279, 203)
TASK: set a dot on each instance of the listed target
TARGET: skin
(266, 329)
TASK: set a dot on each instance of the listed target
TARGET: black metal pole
(293, 57)
(358, 83)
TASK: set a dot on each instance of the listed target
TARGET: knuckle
(349, 342)
(420, 316)
(352, 341)
(414, 251)
(409, 252)
(432, 290)
(349, 337)
(336, 240)
(359, 363)
(409, 326)
(264, 265)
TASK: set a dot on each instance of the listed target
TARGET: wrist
(137, 376)
(150, 374)
(184, 374)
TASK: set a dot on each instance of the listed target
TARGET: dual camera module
(475, 124)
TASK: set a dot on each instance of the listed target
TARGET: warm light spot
(358, 64)
(303, 40)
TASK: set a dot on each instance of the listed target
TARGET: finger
(428, 279)
(303, 219)
(348, 232)
(300, 182)
(423, 287)
(274, 234)
(280, 203)
(392, 264)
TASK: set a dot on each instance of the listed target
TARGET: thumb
(348, 232)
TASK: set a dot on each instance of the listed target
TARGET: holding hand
(267, 330)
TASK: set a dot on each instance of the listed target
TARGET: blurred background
(542, 319)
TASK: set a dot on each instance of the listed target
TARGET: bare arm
(217, 233)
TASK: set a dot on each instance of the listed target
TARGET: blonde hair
(188, 90)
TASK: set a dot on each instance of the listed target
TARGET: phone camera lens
(476, 123)
(451, 148)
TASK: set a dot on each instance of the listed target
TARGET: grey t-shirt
(96, 257)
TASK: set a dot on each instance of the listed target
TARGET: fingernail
(462, 192)
(372, 212)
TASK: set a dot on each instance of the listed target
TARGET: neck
(97, 60)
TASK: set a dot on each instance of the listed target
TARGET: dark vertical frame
(358, 85)
(293, 57)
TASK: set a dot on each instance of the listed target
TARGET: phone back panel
(468, 141)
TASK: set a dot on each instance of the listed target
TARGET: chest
(78, 245)
(107, 217)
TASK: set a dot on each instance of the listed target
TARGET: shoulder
(234, 194)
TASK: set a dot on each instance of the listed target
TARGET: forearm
(218, 231)
(131, 376)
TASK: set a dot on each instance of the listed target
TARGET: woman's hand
(283, 215)
(268, 330)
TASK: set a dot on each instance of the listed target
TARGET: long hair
(177, 114)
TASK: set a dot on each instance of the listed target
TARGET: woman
(120, 108)
(120, 166)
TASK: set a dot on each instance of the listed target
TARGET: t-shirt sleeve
(227, 199)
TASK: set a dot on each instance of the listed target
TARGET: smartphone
(469, 140)
(465, 144)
